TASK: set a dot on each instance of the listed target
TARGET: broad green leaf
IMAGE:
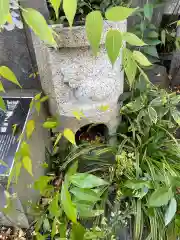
(152, 42)
(2, 163)
(129, 65)
(27, 163)
(137, 184)
(170, 211)
(38, 24)
(51, 123)
(38, 107)
(46, 225)
(1, 87)
(88, 213)
(38, 96)
(70, 7)
(153, 34)
(85, 194)
(6, 73)
(132, 39)
(94, 27)
(42, 183)
(151, 50)
(67, 204)
(118, 13)
(104, 108)
(176, 115)
(54, 208)
(85, 180)
(71, 171)
(58, 138)
(152, 114)
(148, 11)
(2, 104)
(4, 11)
(30, 128)
(53, 232)
(56, 5)
(141, 59)
(160, 197)
(24, 149)
(178, 23)
(113, 44)
(44, 99)
(77, 232)
(69, 135)
(17, 168)
(78, 115)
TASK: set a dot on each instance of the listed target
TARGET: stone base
(75, 80)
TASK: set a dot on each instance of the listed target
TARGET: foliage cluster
(101, 189)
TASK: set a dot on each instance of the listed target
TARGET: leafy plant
(84, 7)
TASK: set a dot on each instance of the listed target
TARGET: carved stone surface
(74, 79)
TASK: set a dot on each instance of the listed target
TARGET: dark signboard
(16, 113)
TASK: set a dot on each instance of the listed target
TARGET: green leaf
(152, 41)
(137, 184)
(38, 107)
(53, 232)
(42, 183)
(6, 73)
(38, 24)
(67, 204)
(70, 7)
(69, 135)
(94, 27)
(129, 65)
(38, 96)
(140, 58)
(117, 14)
(17, 168)
(30, 128)
(2, 104)
(151, 50)
(85, 180)
(113, 44)
(1, 87)
(148, 11)
(27, 163)
(46, 225)
(2, 163)
(4, 11)
(171, 211)
(132, 39)
(152, 114)
(58, 138)
(44, 99)
(51, 123)
(176, 115)
(78, 115)
(160, 197)
(178, 23)
(153, 34)
(77, 232)
(56, 5)
(88, 213)
(54, 208)
(24, 149)
(71, 171)
(85, 194)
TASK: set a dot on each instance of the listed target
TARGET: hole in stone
(92, 133)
